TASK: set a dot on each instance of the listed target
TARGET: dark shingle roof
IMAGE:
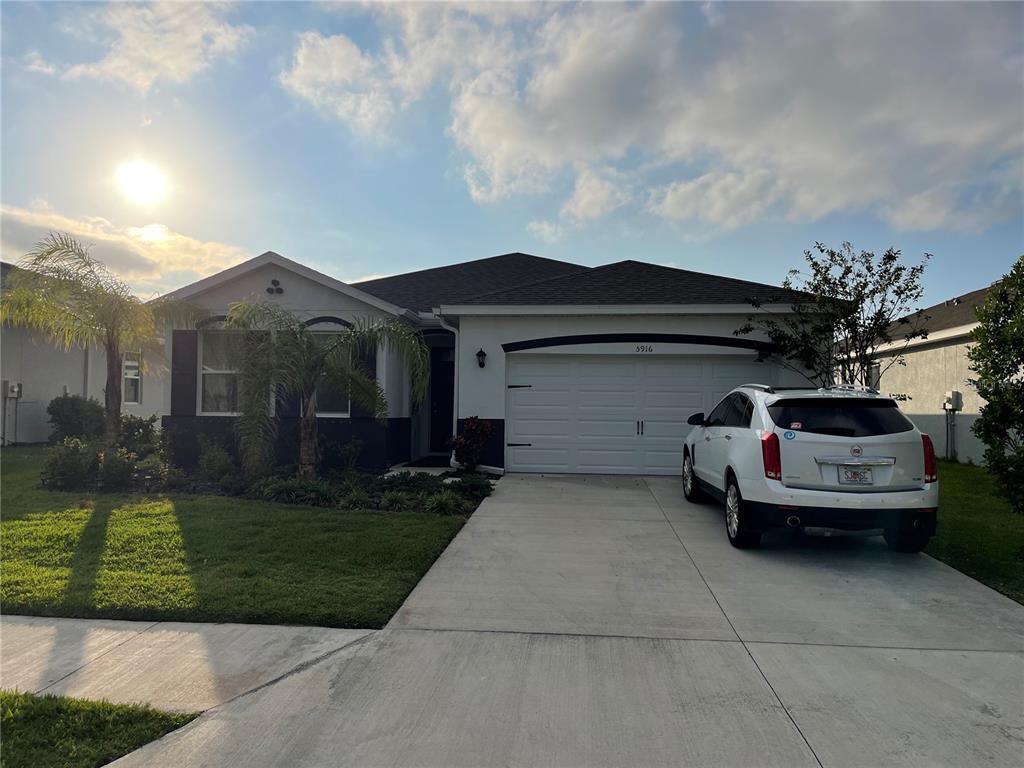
(430, 288)
(954, 312)
(636, 282)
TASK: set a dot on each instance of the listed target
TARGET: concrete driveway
(585, 621)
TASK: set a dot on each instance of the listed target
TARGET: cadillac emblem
(856, 450)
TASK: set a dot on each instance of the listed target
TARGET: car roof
(774, 394)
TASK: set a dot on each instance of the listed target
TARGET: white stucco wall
(307, 299)
(482, 390)
(47, 371)
(931, 370)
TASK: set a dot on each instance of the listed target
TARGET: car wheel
(691, 490)
(742, 533)
(906, 540)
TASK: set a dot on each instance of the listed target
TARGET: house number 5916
(644, 347)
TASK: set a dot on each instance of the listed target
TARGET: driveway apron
(599, 621)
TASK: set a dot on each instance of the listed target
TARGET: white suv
(833, 458)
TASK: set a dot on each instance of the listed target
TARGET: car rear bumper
(768, 515)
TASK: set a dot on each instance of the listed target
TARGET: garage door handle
(520, 386)
(641, 427)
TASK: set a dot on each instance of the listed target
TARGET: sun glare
(141, 182)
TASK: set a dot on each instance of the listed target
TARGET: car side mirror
(696, 420)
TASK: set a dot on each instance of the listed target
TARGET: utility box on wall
(953, 401)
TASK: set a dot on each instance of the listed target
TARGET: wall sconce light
(481, 358)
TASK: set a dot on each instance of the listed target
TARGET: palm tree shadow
(68, 651)
(88, 555)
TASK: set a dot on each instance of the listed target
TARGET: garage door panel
(580, 413)
(616, 428)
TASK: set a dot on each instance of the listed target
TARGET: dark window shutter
(367, 362)
(184, 359)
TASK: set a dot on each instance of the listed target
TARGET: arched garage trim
(761, 347)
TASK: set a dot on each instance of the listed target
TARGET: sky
(368, 139)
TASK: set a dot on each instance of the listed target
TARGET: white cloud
(332, 74)
(34, 62)
(153, 258)
(594, 197)
(728, 200)
(548, 231)
(908, 111)
(165, 41)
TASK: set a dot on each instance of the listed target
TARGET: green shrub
(70, 465)
(410, 482)
(358, 498)
(473, 487)
(75, 416)
(397, 501)
(117, 468)
(295, 490)
(445, 502)
(214, 463)
(139, 435)
(233, 485)
(349, 453)
(172, 477)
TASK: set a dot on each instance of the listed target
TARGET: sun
(140, 182)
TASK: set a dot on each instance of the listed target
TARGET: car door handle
(728, 437)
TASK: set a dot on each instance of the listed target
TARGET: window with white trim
(131, 372)
(331, 400)
(219, 385)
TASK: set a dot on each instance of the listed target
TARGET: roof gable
(429, 288)
(270, 258)
(635, 282)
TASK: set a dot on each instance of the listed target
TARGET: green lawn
(58, 732)
(204, 558)
(977, 532)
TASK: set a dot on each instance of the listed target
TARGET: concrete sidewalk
(170, 665)
(587, 621)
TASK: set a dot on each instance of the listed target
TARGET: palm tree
(281, 353)
(75, 301)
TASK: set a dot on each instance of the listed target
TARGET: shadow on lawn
(88, 555)
(68, 648)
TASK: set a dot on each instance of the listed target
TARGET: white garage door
(611, 414)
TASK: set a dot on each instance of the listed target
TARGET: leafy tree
(997, 356)
(75, 301)
(854, 305)
(281, 352)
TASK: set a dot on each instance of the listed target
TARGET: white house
(589, 370)
(33, 371)
(935, 366)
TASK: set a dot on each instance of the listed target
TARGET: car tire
(906, 540)
(691, 488)
(742, 533)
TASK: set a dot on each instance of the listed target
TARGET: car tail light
(930, 474)
(771, 455)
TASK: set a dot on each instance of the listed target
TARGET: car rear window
(843, 417)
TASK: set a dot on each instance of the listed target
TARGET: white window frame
(334, 414)
(200, 372)
(137, 376)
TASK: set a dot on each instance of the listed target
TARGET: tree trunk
(308, 446)
(112, 393)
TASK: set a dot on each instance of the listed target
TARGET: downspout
(455, 406)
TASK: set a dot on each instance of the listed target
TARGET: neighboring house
(45, 371)
(934, 366)
(579, 369)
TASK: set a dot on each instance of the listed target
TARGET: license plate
(855, 475)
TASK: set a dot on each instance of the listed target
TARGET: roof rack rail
(762, 387)
(851, 388)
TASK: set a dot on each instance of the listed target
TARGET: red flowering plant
(470, 441)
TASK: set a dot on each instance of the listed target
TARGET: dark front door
(442, 395)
